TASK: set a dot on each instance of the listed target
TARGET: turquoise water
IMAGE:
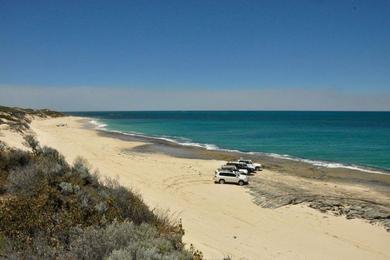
(351, 138)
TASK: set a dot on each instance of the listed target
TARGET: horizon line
(222, 110)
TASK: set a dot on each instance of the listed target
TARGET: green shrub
(31, 142)
(60, 211)
(81, 169)
(67, 188)
(53, 155)
(10, 159)
(26, 181)
(123, 240)
(129, 204)
(30, 175)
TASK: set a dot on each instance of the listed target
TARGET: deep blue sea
(331, 138)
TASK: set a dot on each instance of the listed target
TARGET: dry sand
(11, 137)
(219, 220)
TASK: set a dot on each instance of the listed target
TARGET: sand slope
(220, 220)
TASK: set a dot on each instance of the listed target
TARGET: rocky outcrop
(354, 209)
(274, 193)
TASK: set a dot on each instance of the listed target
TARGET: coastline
(101, 124)
(222, 220)
(296, 166)
(95, 124)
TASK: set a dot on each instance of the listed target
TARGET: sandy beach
(219, 220)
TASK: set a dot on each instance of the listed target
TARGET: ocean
(331, 139)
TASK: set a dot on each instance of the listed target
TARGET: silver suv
(241, 165)
(233, 168)
(230, 177)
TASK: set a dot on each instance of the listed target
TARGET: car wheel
(240, 183)
(221, 181)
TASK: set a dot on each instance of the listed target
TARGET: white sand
(11, 137)
(219, 220)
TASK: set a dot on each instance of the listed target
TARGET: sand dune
(219, 220)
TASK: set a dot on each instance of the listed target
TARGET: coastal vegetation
(51, 209)
(18, 119)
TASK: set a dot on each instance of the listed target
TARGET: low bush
(26, 181)
(31, 142)
(122, 241)
(129, 204)
(10, 159)
(57, 210)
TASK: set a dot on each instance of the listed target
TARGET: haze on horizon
(195, 55)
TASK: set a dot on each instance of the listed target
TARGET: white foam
(206, 146)
(327, 164)
(97, 124)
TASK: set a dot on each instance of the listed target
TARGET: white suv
(230, 177)
(257, 166)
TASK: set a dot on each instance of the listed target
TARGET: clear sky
(325, 55)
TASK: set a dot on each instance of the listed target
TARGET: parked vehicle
(233, 168)
(257, 166)
(241, 165)
(225, 176)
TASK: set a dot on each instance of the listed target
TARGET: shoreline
(226, 220)
(298, 167)
(95, 124)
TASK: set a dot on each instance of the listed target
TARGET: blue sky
(335, 47)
